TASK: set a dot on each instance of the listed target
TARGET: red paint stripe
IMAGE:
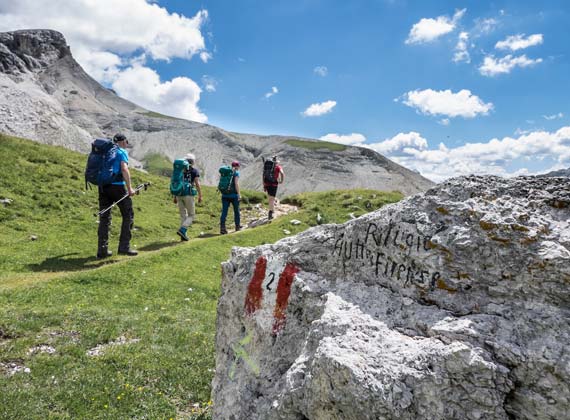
(283, 292)
(254, 290)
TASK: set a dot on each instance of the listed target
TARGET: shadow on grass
(208, 235)
(64, 263)
(158, 245)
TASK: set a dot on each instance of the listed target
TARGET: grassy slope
(88, 302)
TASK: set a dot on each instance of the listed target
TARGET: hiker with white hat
(185, 185)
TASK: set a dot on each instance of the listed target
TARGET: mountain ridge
(49, 98)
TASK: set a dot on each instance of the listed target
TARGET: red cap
(235, 163)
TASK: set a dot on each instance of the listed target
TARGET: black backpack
(269, 172)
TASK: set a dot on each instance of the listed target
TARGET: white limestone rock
(452, 304)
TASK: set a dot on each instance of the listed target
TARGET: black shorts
(271, 190)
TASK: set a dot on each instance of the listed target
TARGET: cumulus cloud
(272, 92)
(492, 66)
(354, 139)
(318, 109)
(121, 27)
(178, 97)
(321, 71)
(461, 52)
(554, 116)
(446, 103)
(113, 39)
(103, 66)
(428, 29)
(492, 157)
(519, 42)
(399, 143)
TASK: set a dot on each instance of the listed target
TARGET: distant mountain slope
(559, 172)
(46, 96)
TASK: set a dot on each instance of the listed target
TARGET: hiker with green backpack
(184, 186)
(229, 187)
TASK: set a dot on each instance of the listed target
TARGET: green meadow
(124, 337)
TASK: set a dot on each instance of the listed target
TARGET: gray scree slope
(46, 96)
(452, 304)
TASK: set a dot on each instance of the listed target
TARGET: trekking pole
(139, 187)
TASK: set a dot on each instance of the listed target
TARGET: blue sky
(443, 87)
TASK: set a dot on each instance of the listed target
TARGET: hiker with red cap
(229, 187)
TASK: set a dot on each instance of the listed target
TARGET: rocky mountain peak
(31, 50)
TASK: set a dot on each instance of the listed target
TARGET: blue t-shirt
(122, 156)
(232, 193)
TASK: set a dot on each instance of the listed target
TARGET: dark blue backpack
(99, 169)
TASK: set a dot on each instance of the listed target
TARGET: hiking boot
(270, 215)
(129, 252)
(104, 254)
(223, 230)
(238, 228)
(182, 233)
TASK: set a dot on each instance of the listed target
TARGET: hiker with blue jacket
(185, 202)
(113, 193)
(230, 195)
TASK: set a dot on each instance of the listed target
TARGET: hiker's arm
(281, 176)
(236, 179)
(127, 177)
(199, 188)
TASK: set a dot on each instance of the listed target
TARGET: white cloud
(321, 71)
(103, 66)
(492, 66)
(519, 42)
(461, 52)
(113, 39)
(121, 27)
(272, 92)
(492, 157)
(178, 97)
(444, 121)
(554, 116)
(354, 139)
(397, 144)
(446, 103)
(318, 109)
(209, 83)
(485, 26)
(206, 56)
(428, 29)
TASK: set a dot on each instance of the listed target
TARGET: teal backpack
(226, 176)
(177, 185)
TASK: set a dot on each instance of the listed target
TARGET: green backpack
(177, 185)
(226, 176)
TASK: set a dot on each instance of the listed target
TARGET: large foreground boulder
(452, 304)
